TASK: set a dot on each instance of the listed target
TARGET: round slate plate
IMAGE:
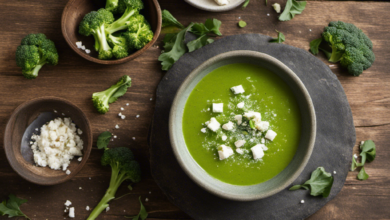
(333, 147)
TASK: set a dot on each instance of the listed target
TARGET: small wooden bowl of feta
(48, 140)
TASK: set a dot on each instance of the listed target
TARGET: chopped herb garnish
(292, 8)
(319, 184)
(12, 207)
(245, 4)
(368, 153)
(241, 24)
(279, 39)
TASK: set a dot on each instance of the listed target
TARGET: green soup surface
(265, 92)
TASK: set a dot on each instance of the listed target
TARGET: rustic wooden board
(76, 79)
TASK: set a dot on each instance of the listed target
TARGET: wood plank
(76, 79)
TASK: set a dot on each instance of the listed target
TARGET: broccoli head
(94, 23)
(123, 168)
(350, 46)
(101, 100)
(132, 7)
(34, 52)
(120, 47)
(139, 38)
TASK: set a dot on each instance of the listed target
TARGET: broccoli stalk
(101, 100)
(132, 8)
(123, 168)
(120, 46)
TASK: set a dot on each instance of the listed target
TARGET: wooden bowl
(74, 12)
(22, 124)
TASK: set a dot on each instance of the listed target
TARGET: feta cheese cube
(228, 126)
(237, 89)
(238, 118)
(222, 2)
(262, 141)
(224, 152)
(224, 138)
(262, 126)
(217, 107)
(264, 147)
(87, 51)
(241, 105)
(239, 150)
(253, 115)
(68, 203)
(79, 44)
(213, 124)
(239, 143)
(71, 212)
(203, 130)
(257, 152)
(270, 135)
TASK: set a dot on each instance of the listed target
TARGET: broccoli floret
(120, 46)
(142, 36)
(94, 24)
(123, 167)
(132, 8)
(101, 100)
(350, 46)
(34, 52)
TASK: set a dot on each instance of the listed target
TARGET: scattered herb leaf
(266, 2)
(241, 24)
(368, 151)
(143, 214)
(12, 207)
(362, 174)
(245, 4)
(354, 164)
(314, 45)
(213, 26)
(103, 140)
(169, 21)
(279, 39)
(320, 183)
(252, 124)
(199, 42)
(291, 9)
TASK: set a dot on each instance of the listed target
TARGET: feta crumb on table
(133, 138)
(108, 208)
(222, 2)
(217, 107)
(67, 172)
(87, 208)
(68, 203)
(257, 151)
(228, 126)
(302, 201)
(270, 135)
(117, 126)
(241, 105)
(224, 152)
(123, 117)
(146, 200)
(213, 124)
(127, 104)
(237, 89)
(71, 212)
(238, 118)
(87, 51)
(79, 44)
(239, 143)
(122, 109)
(80, 159)
(137, 116)
(334, 172)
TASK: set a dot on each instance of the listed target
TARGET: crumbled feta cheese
(228, 126)
(355, 156)
(55, 111)
(362, 142)
(36, 129)
(79, 44)
(237, 89)
(213, 124)
(270, 135)
(87, 208)
(239, 143)
(238, 118)
(127, 104)
(80, 187)
(80, 159)
(115, 136)
(133, 138)
(241, 105)
(117, 126)
(239, 150)
(253, 115)
(146, 200)
(302, 201)
(257, 152)
(224, 138)
(123, 117)
(222, 2)
(224, 152)
(68, 203)
(120, 114)
(87, 51)
(334, 172)
(276, 7)
(268, 14)
(79, 131)
(108, 208)
(217, 107)
(137, 116)
(150, 192)
(265, 148)
(262, 140)
(57, 144)
(203, 130)
(262, 126)
(71, 212)
(83, 47)
(67, 172)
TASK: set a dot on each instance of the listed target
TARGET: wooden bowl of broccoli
(111, 31)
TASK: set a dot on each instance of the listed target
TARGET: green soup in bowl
(242, 125)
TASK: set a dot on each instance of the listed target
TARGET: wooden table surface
(76, 79)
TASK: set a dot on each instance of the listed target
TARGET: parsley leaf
(213, 26)
(368, 151)
(242, 24)
(199, 42)
(320, 183)
(143, 214)
(169, 23)
(252, 124)
(11, 207)
(103, 140)
(314, 45)
(245, 4)
(292, 8)
(362, 174)
(279, 39)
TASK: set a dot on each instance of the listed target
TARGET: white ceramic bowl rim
(210, 5)
(235, 192)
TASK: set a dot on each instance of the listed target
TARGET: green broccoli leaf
(246, 4)
(368, 151)
(12, 207)
(279, 39)
(103, 140)
(168, 58)
(199, 42)
(362, 174)
(314, 45)
(320, 183)
(143, 214)
(292, 8)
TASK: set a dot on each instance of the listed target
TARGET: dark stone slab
(333, 147)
